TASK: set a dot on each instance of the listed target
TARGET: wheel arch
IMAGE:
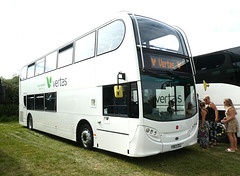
(80, 123)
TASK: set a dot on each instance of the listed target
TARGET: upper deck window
(110, 37)
(159, 36)
(51, 61)
(39, 66)
(65, 56)
(84, 47)
(23, 74)
(30, 70)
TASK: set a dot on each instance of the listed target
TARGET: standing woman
(231, 124)
(213, 119)
(204, 127)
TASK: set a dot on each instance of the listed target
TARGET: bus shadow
(57, 138)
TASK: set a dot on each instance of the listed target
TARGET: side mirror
(118, 91)
(205, 85)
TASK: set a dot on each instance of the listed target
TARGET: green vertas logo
(56, 83)
(49, 81)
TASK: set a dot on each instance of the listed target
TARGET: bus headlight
(153, 134)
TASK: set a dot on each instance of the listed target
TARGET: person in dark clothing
(147, 107)
(203, 134)
(170, 107)
(213, 119)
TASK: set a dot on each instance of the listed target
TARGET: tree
(11, 90)
(9, 107)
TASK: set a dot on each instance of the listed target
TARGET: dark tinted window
(209, 62)
(219, 67)
(25, 100)
(112, 105)
(51, 101)
(134, 110)
(39, 102)
(47, 101)
(125, 106)
(30, 102)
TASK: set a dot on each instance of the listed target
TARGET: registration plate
(176, 146)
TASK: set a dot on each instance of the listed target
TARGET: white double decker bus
(125, 87)
(220, 72)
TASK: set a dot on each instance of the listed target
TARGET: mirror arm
(123, 76)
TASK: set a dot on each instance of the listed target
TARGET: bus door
(113, 126)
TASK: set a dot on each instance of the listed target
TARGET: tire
(86, 137)
(30, 122)
(221, 133)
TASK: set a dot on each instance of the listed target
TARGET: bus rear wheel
(30, 122)
(86, 136)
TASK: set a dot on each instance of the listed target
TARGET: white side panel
(114, 142)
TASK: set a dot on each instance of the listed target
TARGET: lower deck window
(41, 102)
(30, 102)
(114, 105)
(51, 101)
(125, 106)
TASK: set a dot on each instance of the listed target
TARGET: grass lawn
(25, 152)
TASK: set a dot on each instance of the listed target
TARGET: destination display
(164, 62)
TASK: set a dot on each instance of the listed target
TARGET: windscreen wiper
(168, 73)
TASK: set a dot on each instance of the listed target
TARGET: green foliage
(8, 118)
(9, 108)
(12, 86)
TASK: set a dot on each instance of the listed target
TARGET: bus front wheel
(86, 136)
